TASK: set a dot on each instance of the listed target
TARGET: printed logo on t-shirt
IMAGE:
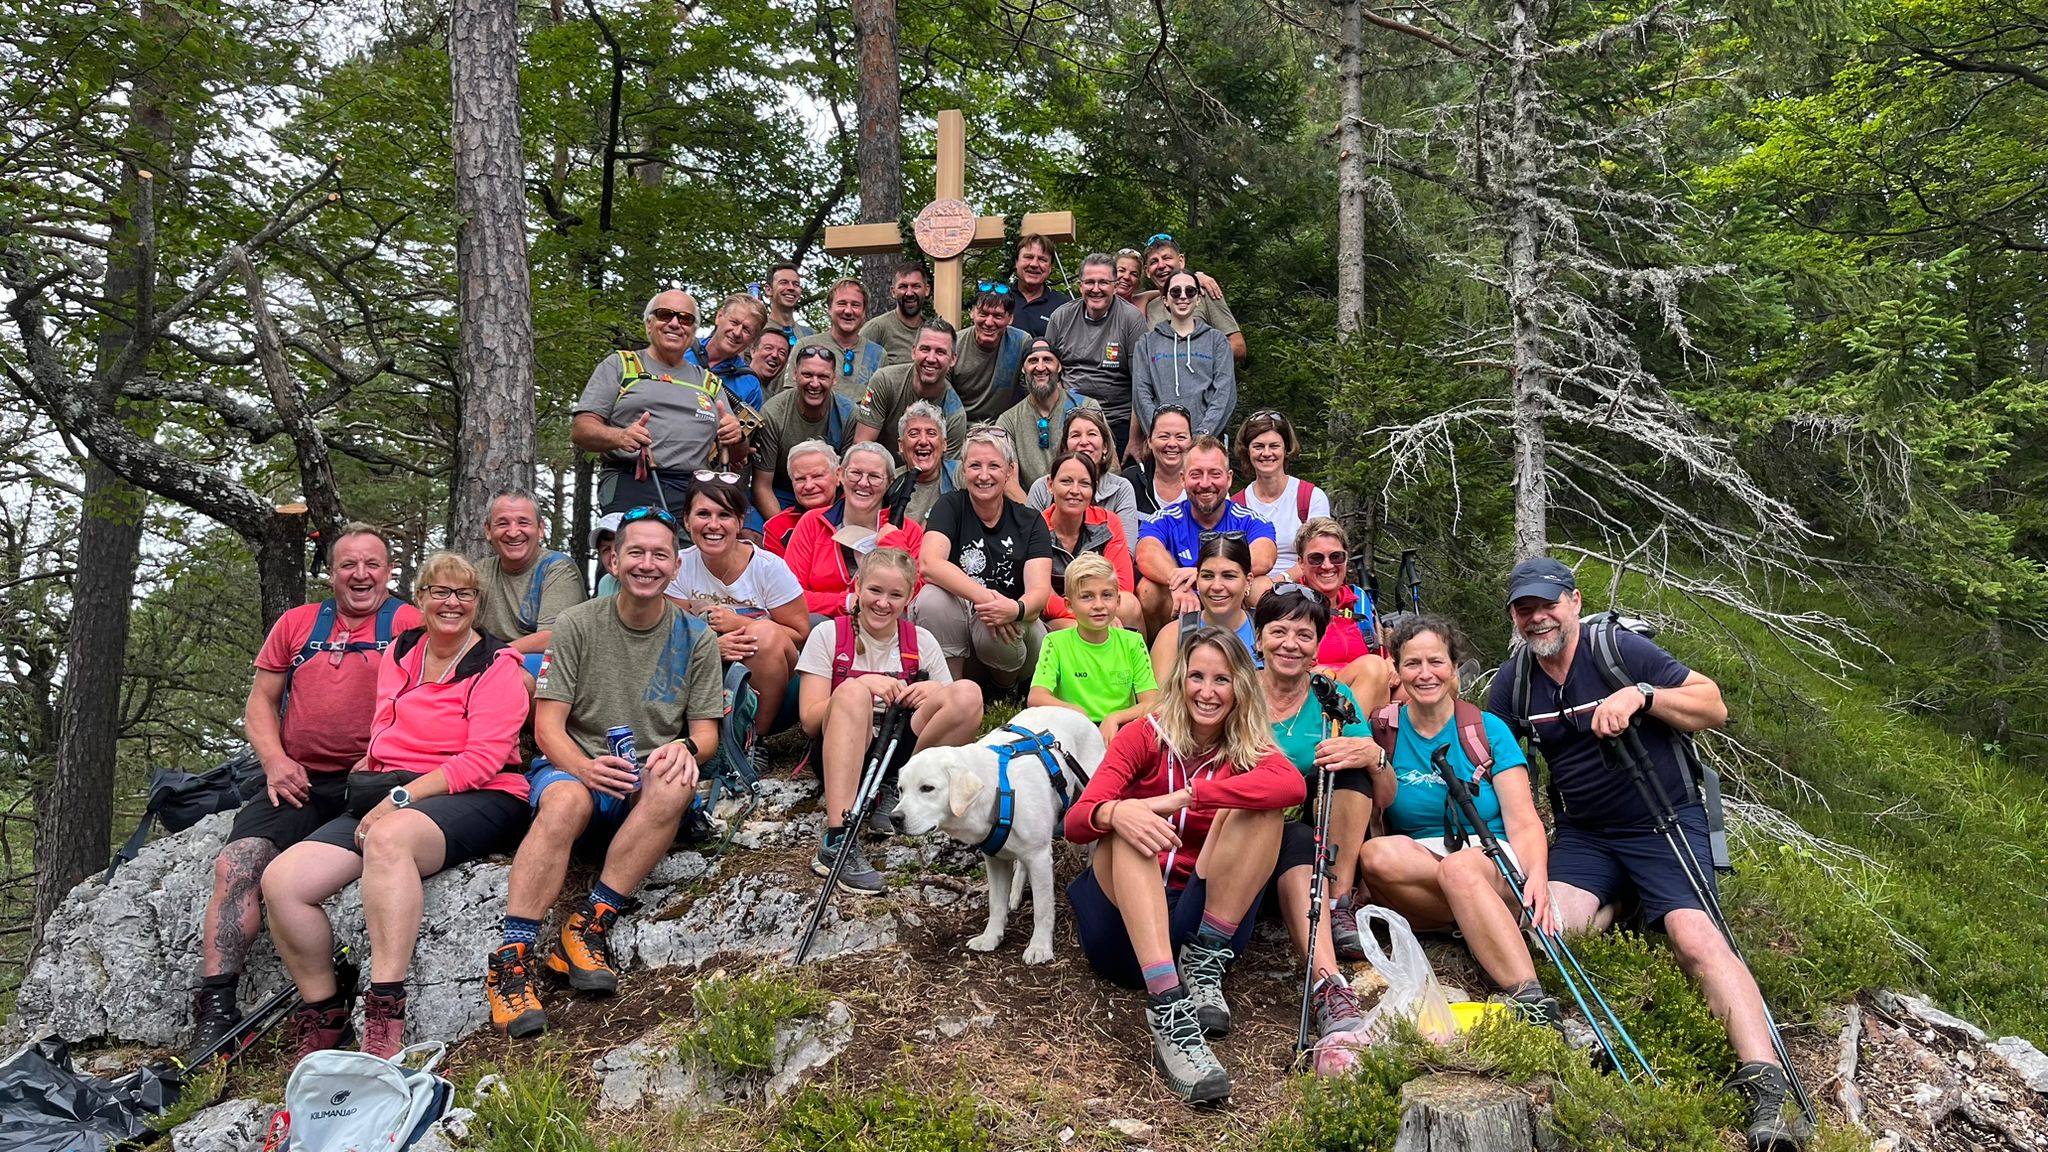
(547, 660)
(973, 561)
(1112, 354)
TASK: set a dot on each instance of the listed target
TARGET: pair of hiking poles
(890, 735)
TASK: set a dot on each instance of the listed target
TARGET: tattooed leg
(235, 913)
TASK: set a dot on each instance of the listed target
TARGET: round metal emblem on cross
(945, 228)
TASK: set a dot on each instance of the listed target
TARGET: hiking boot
(318, 1029)
(1772, 1127)
(858, 876)
(214, 1016)
(1344, 937)
(1201, 973)
(383, 1024)
(508, 986)
(583, 952)
(1336, 1007)
(881, 821)
(1182, 1056)
(1534, 1006)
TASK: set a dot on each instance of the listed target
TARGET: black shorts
(1610, 865)
(473, 824)
(284, 825)
(620, 491)
(1100, 926)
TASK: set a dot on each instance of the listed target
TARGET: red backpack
(842, 650)
(1302, 492)
(1471, 722)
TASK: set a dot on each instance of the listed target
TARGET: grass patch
(199, 1092)
(1360, 1112)
(737, 1018)
(540, 1107)
(892, 1118)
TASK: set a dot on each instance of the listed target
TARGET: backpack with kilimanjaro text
(339, 1101)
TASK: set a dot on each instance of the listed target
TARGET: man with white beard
(1037, 422)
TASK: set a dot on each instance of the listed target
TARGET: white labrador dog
(954, 790)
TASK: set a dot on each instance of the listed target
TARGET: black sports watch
(689, 745)
(1649, 692)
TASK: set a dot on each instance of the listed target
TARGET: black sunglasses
(1289, 588)
(1235, 534)
(664, 315)
(1183, 293)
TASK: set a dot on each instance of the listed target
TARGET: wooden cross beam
(947, 227)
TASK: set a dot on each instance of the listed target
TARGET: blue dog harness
(1049, 753)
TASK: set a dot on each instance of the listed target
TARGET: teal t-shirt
(1299, 734)
(1419, 802)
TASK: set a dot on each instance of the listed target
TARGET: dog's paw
(1037, 953)
(988, 942)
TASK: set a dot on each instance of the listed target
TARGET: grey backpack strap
(1607, 657)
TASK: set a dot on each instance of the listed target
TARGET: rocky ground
(1058, 1056)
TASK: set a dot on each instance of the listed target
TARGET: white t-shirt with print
(765, 584)
(1286, 524)
(870, 654)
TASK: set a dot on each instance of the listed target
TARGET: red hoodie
(1138, 767)
(820, 563)
(467, 725)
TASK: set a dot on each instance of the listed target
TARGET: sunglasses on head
(648, 512)
(991, 286)
(666, 315)
(1172, 409)
(1236, 534)
(1156, 237)
(1289, 588)
(706, 475)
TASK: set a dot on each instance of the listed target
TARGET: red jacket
(775, 533)
(1114, 549)
(467, 725)
(820, 563)
(1138, 767)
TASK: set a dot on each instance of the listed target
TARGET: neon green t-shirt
(1096, 678)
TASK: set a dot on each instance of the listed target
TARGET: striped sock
(599, 894)
(1215, 929)
(520, 930)
(1161, 979)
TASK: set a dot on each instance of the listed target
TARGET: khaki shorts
(960, 635)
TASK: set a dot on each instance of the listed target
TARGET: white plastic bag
(1413, 993)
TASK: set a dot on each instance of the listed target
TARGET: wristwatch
(1649, 692)
(689, 745)
(400, 798)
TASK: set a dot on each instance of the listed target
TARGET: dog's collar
(1047, 749)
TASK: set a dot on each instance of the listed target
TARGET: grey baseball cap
(1540, 576)
(607, 525)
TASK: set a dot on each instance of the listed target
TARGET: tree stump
(1446, 1112)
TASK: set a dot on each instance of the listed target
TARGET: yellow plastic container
(1468, 1013)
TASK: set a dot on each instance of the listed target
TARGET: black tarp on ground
(48, 1106)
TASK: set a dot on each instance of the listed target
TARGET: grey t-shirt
(609, 674)
(897, 339)
(683, 400)
(989, 380)
(891, 393)
(1095, 355)
(516, 605)
(1209, 310)
(1021, 421)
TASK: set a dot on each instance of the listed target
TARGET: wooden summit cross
(948, 226)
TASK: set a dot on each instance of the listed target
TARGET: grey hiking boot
(1535, 1006)
(881, 818)
(1201, 973)
(1182, 1056)
(1344, 937)
(1336, 1007)
(1772, 1126)
(858, 876)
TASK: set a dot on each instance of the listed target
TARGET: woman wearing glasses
(1265, 445)
(1223, 580)
(1086, 431)
(829, 542)
(1185, 362)
(1079, 526)
(439, 785)
(745, 592)
(987, 567)
(1198, 792)
(1350, 650)
(1157, 482)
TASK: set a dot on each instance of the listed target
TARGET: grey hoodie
(1196, 372)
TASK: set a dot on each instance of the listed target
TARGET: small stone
(488, 1085)
(1135, 1131)
(233, 1126)
(1885, 1144)
(448, 1134)
(2024, 1059)
(1066, 1134)
(1964, 1058)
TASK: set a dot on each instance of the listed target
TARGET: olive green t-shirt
(655, 681)
(897, 341)
(849, 373)
(975, 372)
(891, 393)
(516, 605)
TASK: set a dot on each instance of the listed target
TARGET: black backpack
(1607, 658)
(182, 799)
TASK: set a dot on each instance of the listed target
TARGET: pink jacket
(467, 726)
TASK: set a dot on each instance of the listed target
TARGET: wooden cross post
(948, 226)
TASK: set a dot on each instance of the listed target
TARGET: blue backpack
(529, 604)
(323, 627)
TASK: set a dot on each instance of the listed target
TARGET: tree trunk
(281, 566)
(1446, 1112)
(1351, 175)
(880, 149)
(1522, 258)
(494, 364)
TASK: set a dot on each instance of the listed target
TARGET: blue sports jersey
(1176, 527)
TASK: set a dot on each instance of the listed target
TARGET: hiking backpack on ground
(342, 1101)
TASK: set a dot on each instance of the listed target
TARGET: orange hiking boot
(515, 1007)
(583, 952)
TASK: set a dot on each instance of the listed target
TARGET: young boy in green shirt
(1096, 668)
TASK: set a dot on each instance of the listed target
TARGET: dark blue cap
(1540, 576)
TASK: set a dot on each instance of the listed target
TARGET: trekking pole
(1413, 581)
(1337, 710)
(895, 722)
(1554, 946)
(262, 1018)
(1628, 748)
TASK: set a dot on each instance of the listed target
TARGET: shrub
(892, 1118)
(737, 1018)
(1359, 1112)
(538, 1107)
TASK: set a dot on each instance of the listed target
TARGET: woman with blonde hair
(1196, 793)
